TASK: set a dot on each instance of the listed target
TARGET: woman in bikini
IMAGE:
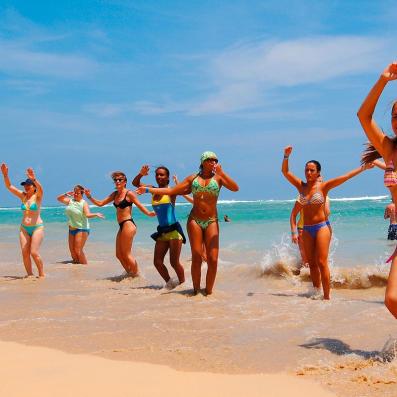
(383, 146)
(78, 213)
(123, 200)
(169, 235)
(316, 228)
(202, 224)
(31, 233)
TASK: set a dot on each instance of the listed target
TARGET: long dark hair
(370, 153)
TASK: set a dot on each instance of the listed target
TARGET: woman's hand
(175, 179)
(99, 215)
(4, 169)
(294, 238)
(368, 166)
(140, 190)
(287, 150)
(144, 170)
(87, 192)
(218, 170)
(30, 174)
(390, 73)
(152, 214)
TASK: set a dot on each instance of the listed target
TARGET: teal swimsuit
(30, 229)
(212, 188)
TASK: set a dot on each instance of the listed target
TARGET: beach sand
(37, 371)
(253, 324)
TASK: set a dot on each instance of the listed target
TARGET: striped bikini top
(390, 176)
(316, 198)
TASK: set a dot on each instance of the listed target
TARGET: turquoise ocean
(258, 233)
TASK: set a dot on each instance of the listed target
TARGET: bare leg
(391, 289)
(301, 245)
(79, 241)
(119, 253)
(323, 240)
(127, 234)
(160, 250)
(196, 242)
(211, 239)
(175, 253)
(24, 240)
(35, 242)
(310, 251)
(71, 248)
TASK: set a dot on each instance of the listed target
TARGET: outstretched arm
(99, 203)
(185, 187)
(228, 182)
(143, 172)
(134, 199)
(89, 214)
(185, 196)
(7, 183)
(332, 183)
(381, 142)
(285, 169)
(380, 164)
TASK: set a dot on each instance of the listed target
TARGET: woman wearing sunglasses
(202, 224)
(123, 200)
(78, 213)
(31, 233)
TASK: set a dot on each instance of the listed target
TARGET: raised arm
(332, 183)
(294, 180)
(226, 181)
(7, 183)
(99, 203)
(292, 220)
(64, 198)
(185, 187)
(89, 214)
(134, 199)
(143, 172)
(381, 142)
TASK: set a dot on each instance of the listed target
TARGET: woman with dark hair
(123, 199)
(169, 235)
(316, 228)
(31, 233)
(202, 224)
(383, 146)
(78, 213)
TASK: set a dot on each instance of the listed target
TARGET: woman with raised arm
(78, 213)
(169, 235)
(316, 228)
(31, 233)
(202, 224)
(383, 146)
(123, 199)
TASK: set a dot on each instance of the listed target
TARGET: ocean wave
(283, 261)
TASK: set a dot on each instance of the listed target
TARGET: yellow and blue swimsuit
(169, 228)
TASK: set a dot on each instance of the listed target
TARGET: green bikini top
(211, 188)
(25, 206)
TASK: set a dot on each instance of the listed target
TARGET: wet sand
(252, 324)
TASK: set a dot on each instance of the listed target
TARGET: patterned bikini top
(390, 176)
(316, 198)
(26, 206)
(211, 188)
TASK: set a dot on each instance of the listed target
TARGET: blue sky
(95, 86)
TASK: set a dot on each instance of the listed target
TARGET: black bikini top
(124, 203)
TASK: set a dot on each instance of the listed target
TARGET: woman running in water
(169, 234)
(31, 233)
(123, 200)
(383, 146)
(316, 228)
(202, 224)
(78, 213)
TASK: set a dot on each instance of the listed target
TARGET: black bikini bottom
(126, 220)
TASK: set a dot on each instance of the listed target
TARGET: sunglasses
(215, 160)
(118, 180)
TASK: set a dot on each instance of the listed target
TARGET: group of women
(202, 224)
(312, 193)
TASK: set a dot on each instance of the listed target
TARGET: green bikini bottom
(31, 229)
(203, 223)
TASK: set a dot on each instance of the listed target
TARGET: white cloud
(15, 59)
(242, 76)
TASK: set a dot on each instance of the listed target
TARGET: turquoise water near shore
(258, 232)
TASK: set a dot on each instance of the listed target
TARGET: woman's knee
(391, 300)
(35, 254)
